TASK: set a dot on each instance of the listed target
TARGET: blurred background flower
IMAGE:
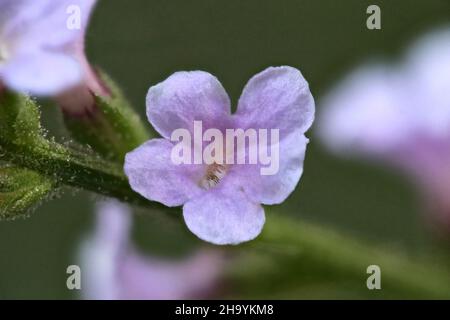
(113, 269)
(40, 53)
(399, 114)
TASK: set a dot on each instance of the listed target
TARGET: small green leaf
(19, 120)
(21, 190)
(113, 128)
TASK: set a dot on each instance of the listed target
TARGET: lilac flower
(400, 115)
(113, 269)
(42, 45)
(221, 203)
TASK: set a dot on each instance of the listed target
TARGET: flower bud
(107, 123)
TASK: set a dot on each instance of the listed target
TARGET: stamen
(214, 173)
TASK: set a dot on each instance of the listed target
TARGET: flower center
(214, 173)
(3, 52)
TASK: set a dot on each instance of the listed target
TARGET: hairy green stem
(295, 259)
(74, 168)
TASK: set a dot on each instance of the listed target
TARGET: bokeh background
(141, 42)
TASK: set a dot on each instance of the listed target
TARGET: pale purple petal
(8, 9)
(184, 97)
(274, 189)
(427, 71)
(224, 215)
(41, 73)
(151, 278)
(113, 222)
(152, 173)
(32, 25)
(277, 98)
(101, 253)
(365, 112)
(381, 108)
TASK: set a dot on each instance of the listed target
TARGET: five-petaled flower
(222, 203)
(39, 53)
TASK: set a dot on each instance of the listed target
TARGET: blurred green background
(141, 42)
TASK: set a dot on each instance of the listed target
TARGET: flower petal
(144, 277)
(428, 73)
(41, 73)
(100, 252)
(275, 188)
(277, 98)
(152, 174)
(224, 216)
(113, 222)
(184, 97)
(44, 24)
(368, 111)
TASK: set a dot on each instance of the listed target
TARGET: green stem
(294, 259)
(74, 168)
